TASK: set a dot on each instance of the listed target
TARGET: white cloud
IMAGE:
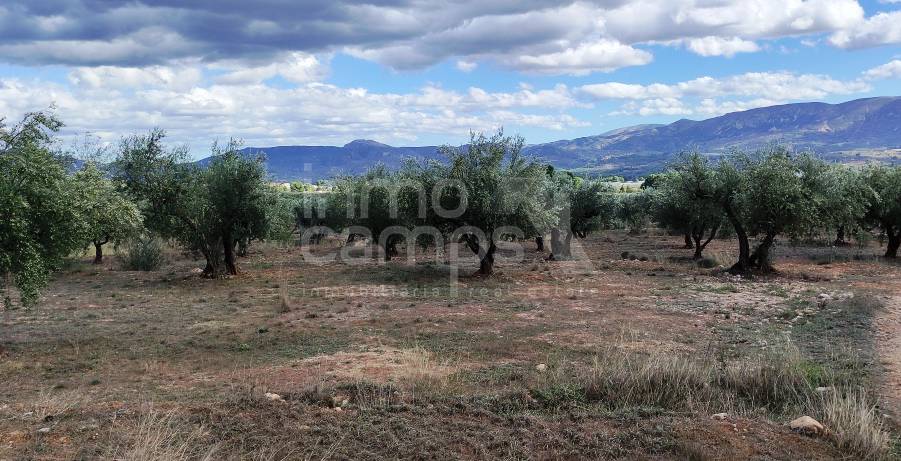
(880, 29)
(715, 96)
(295, 67)
(663, 20)
(109, 77)
(781, 86)
(266, 115)
(466, 66)
(890, 69)
(717, 46)
(602, 56)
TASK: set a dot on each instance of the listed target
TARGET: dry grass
(854, 424)
(161, 436)
(775, 386)
(421, 373)
(285, 304)
(50, 405)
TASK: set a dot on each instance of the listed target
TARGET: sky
(426, 72)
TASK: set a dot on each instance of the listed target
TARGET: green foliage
(384, 203)
(493, 186)
(593, 207)
(883, 208)
(143, 254)
(299, 186)
(281, 218)
(633, 210)
(775, 193)
(39, 214)
(652, 180)
(581, 207)
(208, 210)
(682, 200)
(109, 214)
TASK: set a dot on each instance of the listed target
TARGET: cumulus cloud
(466, 66)
(717, 46)
(714, 96)
(890, 69)
(262, 114)
(294, 67)
(779, 86)
(602, 55)
(111, 78)
(880, 29)
(550, 36)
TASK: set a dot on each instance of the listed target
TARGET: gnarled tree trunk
(760, 260)
(894, 242)
(98, 253)
(697, 235)
(688, 243)
(840, 237)
(486, 263)
(98, 250)
(228, 246)
(743, 265)
(486, 260)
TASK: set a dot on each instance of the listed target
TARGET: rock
(339, 410)
(807, 425)
(196, 270)
(43, 430)
(720, 416)
(541, 367)
(274, 397)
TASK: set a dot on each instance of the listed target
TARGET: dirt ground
(355, 352)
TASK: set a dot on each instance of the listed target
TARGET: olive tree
(846, 196)
(110, 216)
(883, 209)
(683, 201)
(39, 219)
(207, 209)
(377, 202)
(483, 192)
(633, 210)
(583, 207)
(767, 194)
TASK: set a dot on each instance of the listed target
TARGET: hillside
(852, 131)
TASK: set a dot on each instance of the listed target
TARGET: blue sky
(410, 72)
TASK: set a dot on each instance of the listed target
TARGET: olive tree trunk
(228, 247)
(894, 241)
(743, 265)
(98, 253)
(688, 243)
(98, 250)
(697, 235)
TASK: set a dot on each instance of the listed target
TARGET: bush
(143, 254)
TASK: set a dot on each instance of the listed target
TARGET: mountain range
(854, 131)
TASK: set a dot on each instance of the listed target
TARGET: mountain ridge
(857, 130)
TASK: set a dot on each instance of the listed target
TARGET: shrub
(143, 254)
(781, 384)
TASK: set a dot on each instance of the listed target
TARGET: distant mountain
(311, 163)
(853, 131)
(838, 131)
